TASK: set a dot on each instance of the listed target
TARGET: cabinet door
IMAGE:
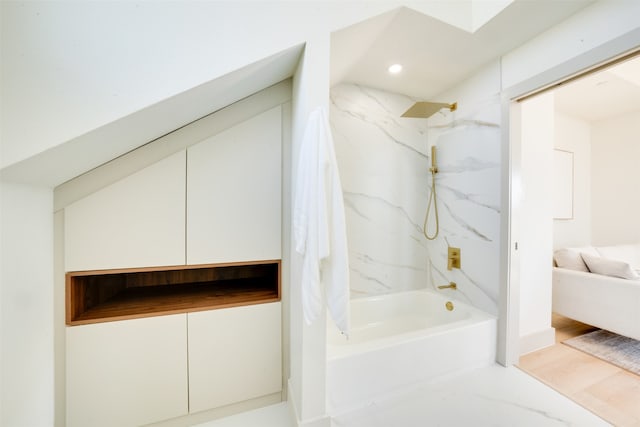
(234, 355)
(127, 373)
(137, 221)
(233, 193)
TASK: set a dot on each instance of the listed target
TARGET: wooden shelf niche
(107, 295)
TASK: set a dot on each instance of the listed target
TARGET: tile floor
(491, 396)
(269, 416)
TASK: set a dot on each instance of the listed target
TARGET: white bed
(599, 299)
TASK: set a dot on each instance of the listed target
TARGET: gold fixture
(434, 167)
(453, 258)
(432, 198)
(451, 285)
(424, 109)
(449, 305)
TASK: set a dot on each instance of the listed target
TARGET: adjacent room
(594, 123)
(319, 213)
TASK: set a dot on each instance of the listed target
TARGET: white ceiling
(602, 95)
(434, 54)
(85, 152)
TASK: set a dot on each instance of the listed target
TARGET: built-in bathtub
(401, 339)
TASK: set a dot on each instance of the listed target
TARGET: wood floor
(606, 390)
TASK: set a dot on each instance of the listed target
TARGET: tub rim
(476, 316)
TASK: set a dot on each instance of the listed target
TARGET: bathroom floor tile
(269, 416)
(492, 396)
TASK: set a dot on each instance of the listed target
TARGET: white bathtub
(401, 339)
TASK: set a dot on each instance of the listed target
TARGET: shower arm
(432, 198)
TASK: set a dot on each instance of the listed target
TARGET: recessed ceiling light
(395, 68)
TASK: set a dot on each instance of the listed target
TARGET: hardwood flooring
(606, 390)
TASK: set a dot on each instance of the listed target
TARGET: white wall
(92, 75)
(26, 298)
(537, 127)
(615, 201)
(308, 355)
(605, 168)
(585, 39)
(574, 135)
(72, 67)
(580, 37)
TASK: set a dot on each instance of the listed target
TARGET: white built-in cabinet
(239, 348)
(224, 191)
(217, 201)
(235, 178)
(127, 373)
(136, 372)
(137, 221)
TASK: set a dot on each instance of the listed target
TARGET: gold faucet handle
(451, 285)
(453, 258)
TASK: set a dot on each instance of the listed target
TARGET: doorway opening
(576, 144)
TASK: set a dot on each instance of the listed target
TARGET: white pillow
(609, 267)
(567, 258)
(570, 257)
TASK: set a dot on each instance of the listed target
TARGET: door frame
(578, 66)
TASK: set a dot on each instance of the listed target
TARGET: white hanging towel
(319, 225)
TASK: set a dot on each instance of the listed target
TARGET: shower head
(423, 109)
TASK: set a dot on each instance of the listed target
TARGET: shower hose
(432, 199)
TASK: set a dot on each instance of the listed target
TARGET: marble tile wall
(383, 168)
(468, 194)
(384, 161)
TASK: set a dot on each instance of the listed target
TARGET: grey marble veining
(468, 193)
(384, 161)
(491, 396)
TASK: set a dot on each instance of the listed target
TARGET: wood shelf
(108, 295)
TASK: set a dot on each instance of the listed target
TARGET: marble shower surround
(384, 160)
(468, 190)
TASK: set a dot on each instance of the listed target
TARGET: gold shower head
(423, 109)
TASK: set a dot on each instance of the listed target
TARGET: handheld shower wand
(432, 198)
(423, 110)
(434, 167)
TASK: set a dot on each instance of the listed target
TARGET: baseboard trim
(221, 412)
(323, 421)
(537, 340)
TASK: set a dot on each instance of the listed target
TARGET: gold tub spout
(451, 285)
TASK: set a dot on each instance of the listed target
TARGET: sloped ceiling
(435, 55)
(79, 155)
